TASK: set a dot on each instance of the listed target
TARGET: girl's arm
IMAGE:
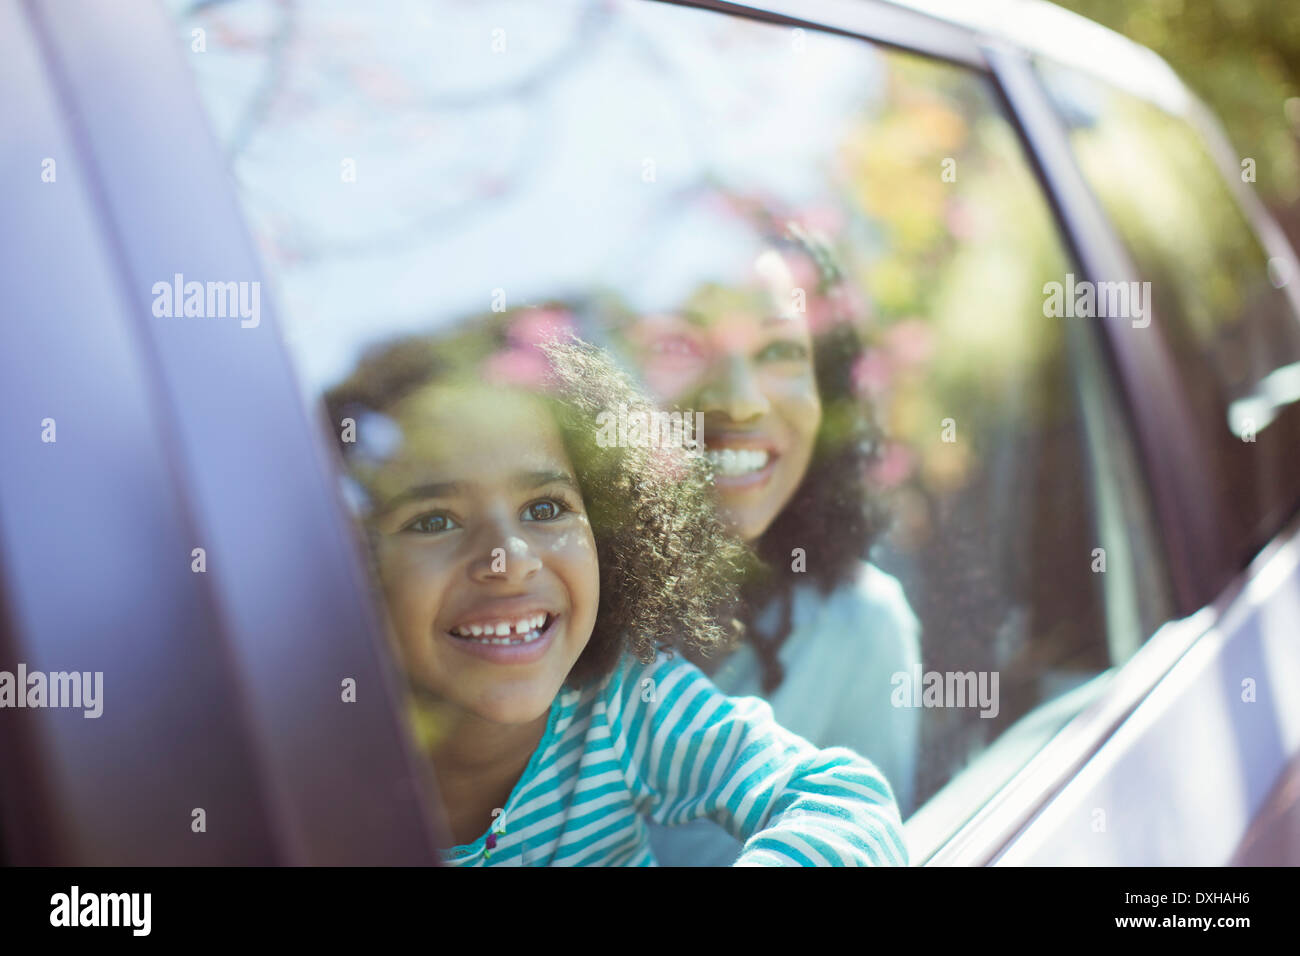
(689, 752)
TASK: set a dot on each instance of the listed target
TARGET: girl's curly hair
(669, 569)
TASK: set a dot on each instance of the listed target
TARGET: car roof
(1046, 30)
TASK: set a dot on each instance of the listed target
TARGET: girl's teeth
(524, 631)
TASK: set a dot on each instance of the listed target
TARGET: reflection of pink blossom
(871, 374)
(670, 462)
(535, 326)
(821, 314)
(234, 38)
(522, 362)
(804, 272)
(382, 83)
(523, 367)
(960, 222)
(850, 302)
(748, 208)
(825, 218)
(895, 465)
(911, 342)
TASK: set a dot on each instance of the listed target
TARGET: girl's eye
(783, 351)
(431, 523)
(547, 509)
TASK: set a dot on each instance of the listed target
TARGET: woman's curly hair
(834, 515)
(669, 569)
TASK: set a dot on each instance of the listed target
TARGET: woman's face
(743, 357)
(485, 554)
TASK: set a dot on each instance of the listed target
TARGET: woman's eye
(784, 351)
(431, 523)
(548, 509)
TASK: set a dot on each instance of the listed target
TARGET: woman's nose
(500, 556)
(733, 389)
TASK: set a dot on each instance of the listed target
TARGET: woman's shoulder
(869, 592)
(870, 611)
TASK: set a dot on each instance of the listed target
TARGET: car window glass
(673, 183)
(1225, 308)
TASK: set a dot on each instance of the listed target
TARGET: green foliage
(1242, 57)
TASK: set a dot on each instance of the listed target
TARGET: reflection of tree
(1243, 57)
(291, 63)
(259, 104)
(1227, 326)
(1183, 217)
(962, 263)
(994, 520)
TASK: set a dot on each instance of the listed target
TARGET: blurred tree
(1242, 57)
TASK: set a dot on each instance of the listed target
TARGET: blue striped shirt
(659, 741)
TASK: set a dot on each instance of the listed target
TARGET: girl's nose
(504, 558)
(733, 389)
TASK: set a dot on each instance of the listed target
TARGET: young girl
(535, 580)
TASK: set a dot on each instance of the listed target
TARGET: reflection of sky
(519, 170)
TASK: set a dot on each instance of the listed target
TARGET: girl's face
(485, 553)
(744, 358)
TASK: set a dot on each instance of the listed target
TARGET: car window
(668, 182)
(1224, 306)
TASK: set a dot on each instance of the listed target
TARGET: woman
(770, 356)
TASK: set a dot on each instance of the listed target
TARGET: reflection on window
(1224, 307)
(835, 254)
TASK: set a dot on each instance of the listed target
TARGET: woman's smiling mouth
(741, 463)
(733, 462)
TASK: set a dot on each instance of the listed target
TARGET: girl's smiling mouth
(506, 638)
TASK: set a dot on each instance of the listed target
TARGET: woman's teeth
(737, 461)
(523, 631)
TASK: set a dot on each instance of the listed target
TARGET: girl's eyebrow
(529, 480)
(440, 489)
(525, 481)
